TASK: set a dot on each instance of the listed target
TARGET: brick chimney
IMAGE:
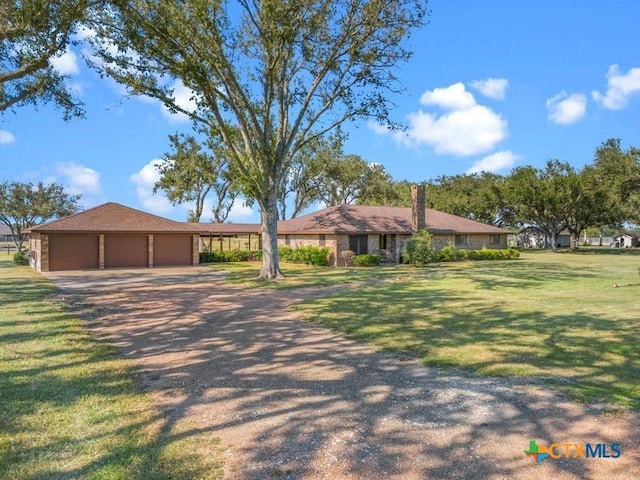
(418, 213)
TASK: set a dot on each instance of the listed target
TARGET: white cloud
(184, 98)
(144, 180)
(619, 88)
(66, 64)
(494, 162)
(466, 128)
(80, 180)
(453, 97)
(567, 109)
(240, 212)
(492, 87)
(462, 132)
(6, 137)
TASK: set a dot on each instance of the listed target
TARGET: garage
(171, 250)
(126, 250)
(112, 236)
(73, 251)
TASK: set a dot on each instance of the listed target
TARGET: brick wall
(44, 252)
(297, 241)
(195, 249)
(35, 255)
(474, 241)
(150, 251)
(395, 244)
(101, 251)
(342, 243)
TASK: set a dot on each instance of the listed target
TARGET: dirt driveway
(291, 400)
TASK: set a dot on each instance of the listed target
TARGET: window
(461, 240)
(287, 240)
(495, 240)
(322, 240)
(382, 242)
(358, 244)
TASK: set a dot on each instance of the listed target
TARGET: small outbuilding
(626, 240)
(112, 236)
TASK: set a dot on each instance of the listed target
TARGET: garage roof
(113, 217)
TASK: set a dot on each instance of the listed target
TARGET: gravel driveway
(291, 400)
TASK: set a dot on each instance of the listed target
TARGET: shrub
(20, 258)
(309, 254)
(285, 254)
(367, 260)
(451, 254)
(418, 249)
(235, 256)
(347, 257)
(230, 256)
(447, 254)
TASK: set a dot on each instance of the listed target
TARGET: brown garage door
(172, 250)
(73, 251)
(125, 251)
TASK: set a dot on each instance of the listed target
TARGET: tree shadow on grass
(291, 400)
(70, 408)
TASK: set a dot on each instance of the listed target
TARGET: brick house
(383, 230)
(115, 236)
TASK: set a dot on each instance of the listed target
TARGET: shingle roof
(4, 230)
(113, 217)
(354, 219)
(366, 219)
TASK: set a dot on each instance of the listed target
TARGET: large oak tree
(281, 72)
(32, 32)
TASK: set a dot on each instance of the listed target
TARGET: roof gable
(113, 217)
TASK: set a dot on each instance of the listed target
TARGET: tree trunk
(269, 214)
(18, 237)
(552, 238)
(575, 243)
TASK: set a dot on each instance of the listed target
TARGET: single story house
(5, 233)
(112, 236)
(115, 236)
(383, 230)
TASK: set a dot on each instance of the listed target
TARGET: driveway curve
(292, 400)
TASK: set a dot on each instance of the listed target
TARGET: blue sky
(492, 85)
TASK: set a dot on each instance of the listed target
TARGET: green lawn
(70, 408)
(302, 276)
(551, 316)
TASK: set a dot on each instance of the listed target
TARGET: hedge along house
(112, 236)
(384, 230)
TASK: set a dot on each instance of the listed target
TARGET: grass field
(550, 316)
(70, 408)
(302, 276)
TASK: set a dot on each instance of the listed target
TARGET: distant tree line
(25, 205)
(603, 193)
(557, 197)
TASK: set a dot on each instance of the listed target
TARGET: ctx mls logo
(572, 450)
